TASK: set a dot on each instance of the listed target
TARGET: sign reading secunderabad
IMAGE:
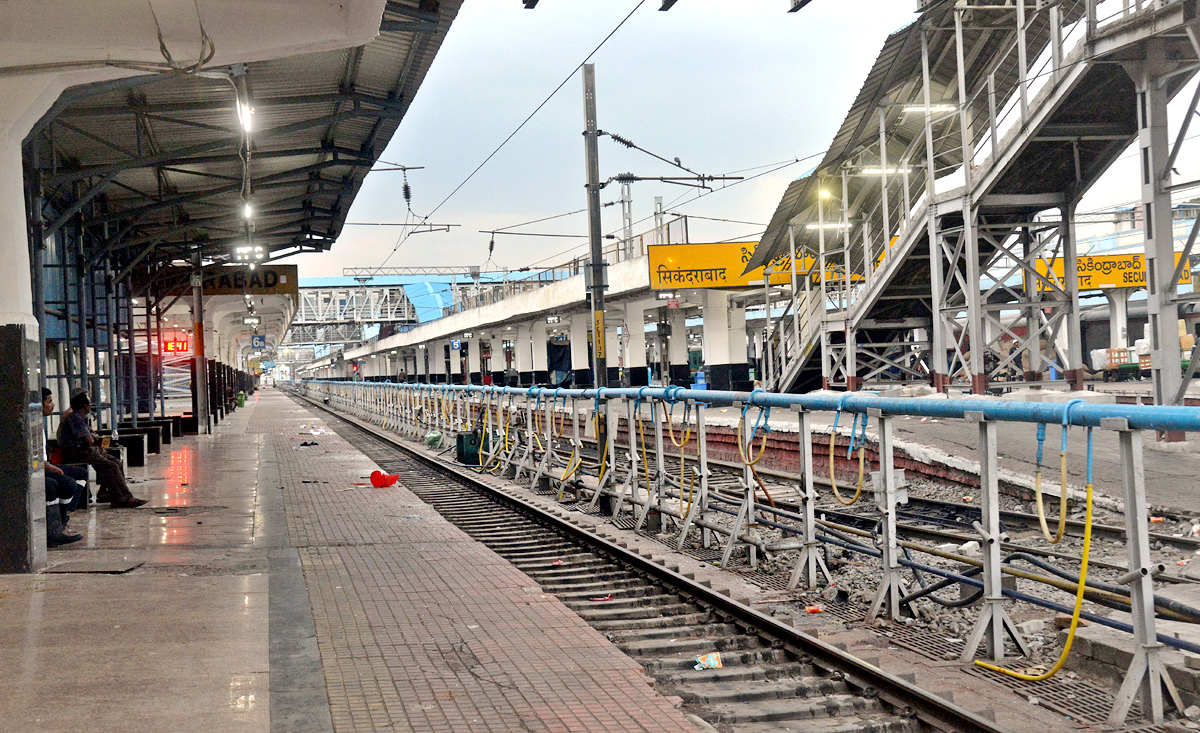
(721, 265)
(1106, 272)
(262, 280)
(233, 280)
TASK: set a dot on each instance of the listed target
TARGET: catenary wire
(519, 127)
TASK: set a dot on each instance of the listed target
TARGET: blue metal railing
(1137, 417)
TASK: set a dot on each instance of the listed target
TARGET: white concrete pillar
(724, 341)
(523, 354)
(738, 338)
(537, 335)
(677, 347)
(635, 347)
(612, 322)
(474, 371)
(456, 374)
(581, 365)
(715, 327)
(1118, 317)
(25, 99)
(420, 372)
(422, 355)
(437, 362)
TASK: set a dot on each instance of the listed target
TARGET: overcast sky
(725, 86)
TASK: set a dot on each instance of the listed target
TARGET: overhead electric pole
(598, 277)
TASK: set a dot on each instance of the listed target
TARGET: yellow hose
(645, 460)
(1062, 501)
(1083, 567)
(686, 432)
(559, 420)
(569, 471)
(743, 450)
(691, 491)
(862, 454)
(496, 454)
(604, 452)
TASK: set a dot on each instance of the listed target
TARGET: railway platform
(269, 587)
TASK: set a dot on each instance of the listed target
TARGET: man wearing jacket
(80, 445)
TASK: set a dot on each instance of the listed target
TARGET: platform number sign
(258, 342)
(455, 344)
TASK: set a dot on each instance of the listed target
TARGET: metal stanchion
(1146, 678)
(811, 560)
(994, 623)
(889, 484)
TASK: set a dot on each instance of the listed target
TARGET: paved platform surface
(423, 628)
(180, 643)
(275, 591)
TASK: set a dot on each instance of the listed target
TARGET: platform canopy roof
(152, 168)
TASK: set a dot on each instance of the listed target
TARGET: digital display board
(175, 346)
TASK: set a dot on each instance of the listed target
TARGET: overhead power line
(524, 122)
(771, 168)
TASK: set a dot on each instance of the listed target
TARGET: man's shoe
(131, 504)
(63, 539)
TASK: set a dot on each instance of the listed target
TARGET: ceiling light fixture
(934, 108)
(245, 115)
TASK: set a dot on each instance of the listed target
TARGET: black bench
(164, 426)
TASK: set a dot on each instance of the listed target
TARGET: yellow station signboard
(720, 265)
(1106, 272)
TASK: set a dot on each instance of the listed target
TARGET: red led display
(175, 347)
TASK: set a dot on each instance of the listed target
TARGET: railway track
(773, 677)
(922, 518)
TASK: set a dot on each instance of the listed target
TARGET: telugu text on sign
(1104, 272)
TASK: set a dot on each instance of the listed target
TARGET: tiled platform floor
(418, 627)
(422, 628)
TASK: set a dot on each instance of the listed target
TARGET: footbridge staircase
(953, 181)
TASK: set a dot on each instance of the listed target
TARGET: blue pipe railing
(1137, 417)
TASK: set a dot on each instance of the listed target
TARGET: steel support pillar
(1074, 356)
(203, 425)
(937, 335)
(1154, 147)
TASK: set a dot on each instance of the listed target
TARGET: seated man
(68, 480)
(55, 533)
(80, 444)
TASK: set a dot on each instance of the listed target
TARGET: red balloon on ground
(380, 480)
